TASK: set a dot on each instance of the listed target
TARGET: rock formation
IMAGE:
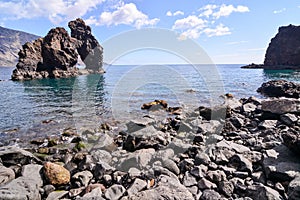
(283, 51)
(10, 43)
(284, 48)
(56, 54)
(89, 49)
(280, 88)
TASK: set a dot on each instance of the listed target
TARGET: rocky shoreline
(244, 149)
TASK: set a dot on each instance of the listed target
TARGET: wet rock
(137, 186)
(294, 189)
(56, 174)
(13, 156)
(115, 192)
(210, 195)
(82, 178)
(280, 88)
(6, 175)
(155, 105)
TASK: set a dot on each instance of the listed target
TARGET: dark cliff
(284, 49)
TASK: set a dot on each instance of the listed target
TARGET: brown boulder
(56, 174)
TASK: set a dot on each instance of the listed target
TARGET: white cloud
(218, 31)
(127, 14)
(176, 13)
(238, 42)
(221, 11)
(226, 10)
(189, 22)
(194, 26)
(279, 11)
(55, 10)
(169, 14)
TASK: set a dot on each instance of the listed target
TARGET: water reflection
(54, 100)
(291, 75)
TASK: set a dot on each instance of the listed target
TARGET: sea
(39, 108)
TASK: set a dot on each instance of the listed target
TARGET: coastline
(242, 148)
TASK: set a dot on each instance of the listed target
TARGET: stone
(48, 189)
(19, 189)
(216, 176)
(33, 171)
(281, 106)
(198, 171)
(206, 184)
(226, 188)
(56, 195)
(249, 107)
(95, 194)
(238, 148)
(102, 169)
(292, 141)
(114, 192)
(294, 189)
(237, 122)
(268, 124)
(137, 186)
(262, 192)
(11, 155)
(171, 165)
(138, 159)
(82, 178)
(56, 174)
(280, 88)
(137, 124)
(241, 163)
(6, 175)
(155, 105)
(167, 187)
(289, 119)
(147, 137)
(210, 195)
(189, 180)
(283, 167)
(202, 158)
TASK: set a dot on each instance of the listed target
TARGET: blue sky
(231, 31)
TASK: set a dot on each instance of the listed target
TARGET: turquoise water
(87, 101)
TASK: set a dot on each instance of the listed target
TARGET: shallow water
(87, 101)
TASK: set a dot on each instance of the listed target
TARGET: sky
(229, 31)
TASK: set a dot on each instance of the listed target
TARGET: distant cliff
(11, 42)
(283, 51)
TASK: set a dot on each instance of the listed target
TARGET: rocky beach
(243, 149)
